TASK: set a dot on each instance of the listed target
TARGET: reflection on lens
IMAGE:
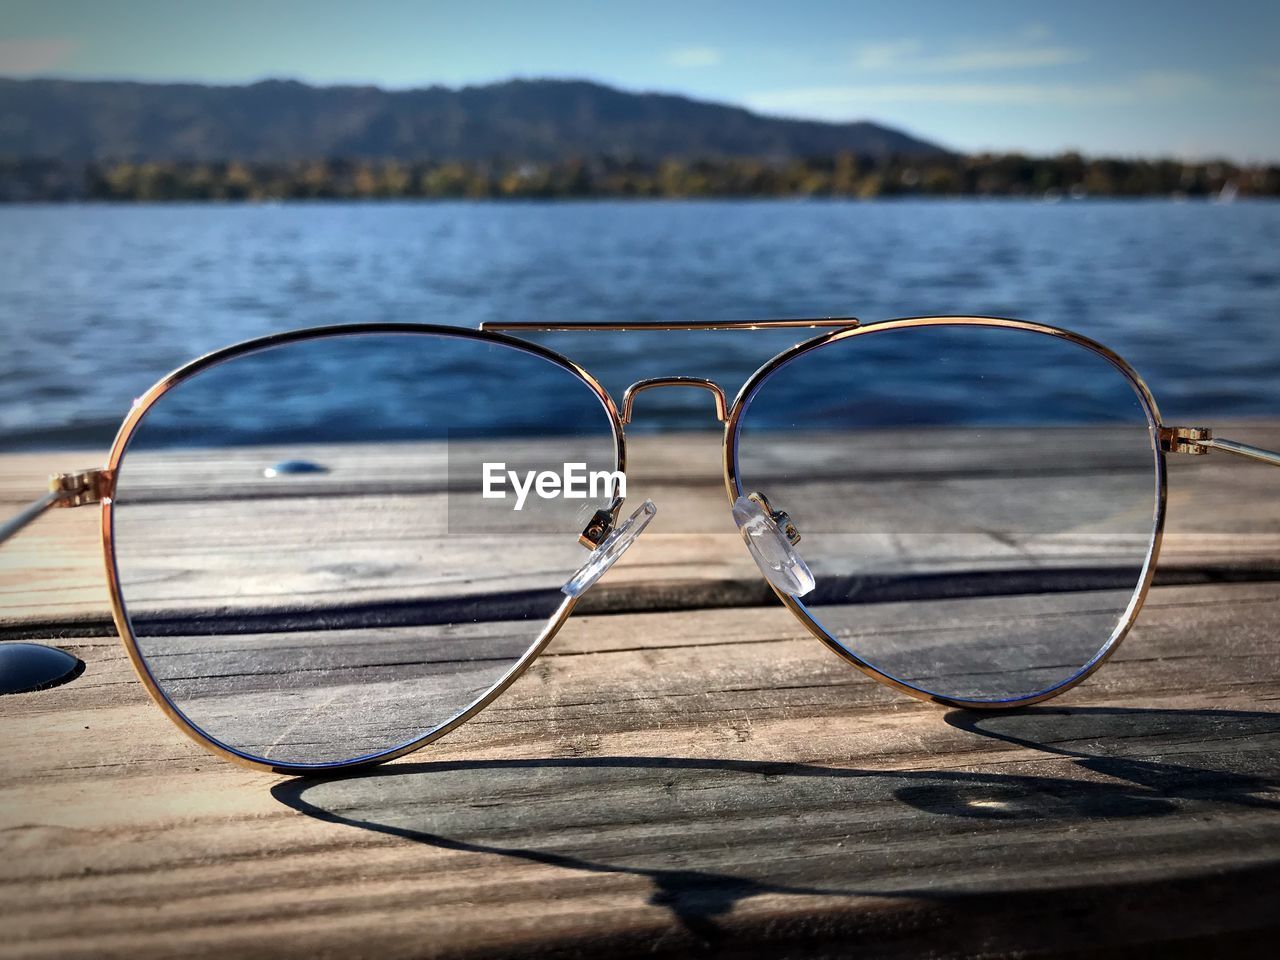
(977, 503)
(305, 551)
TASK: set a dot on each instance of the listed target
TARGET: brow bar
(535, 326)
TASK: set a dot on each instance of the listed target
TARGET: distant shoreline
(843, 176)
(931, 200)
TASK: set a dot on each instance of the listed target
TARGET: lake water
(97, 302)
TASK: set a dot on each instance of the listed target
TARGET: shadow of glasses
(692, 827)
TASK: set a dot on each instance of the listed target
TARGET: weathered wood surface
(666, 783)
(1224, 522)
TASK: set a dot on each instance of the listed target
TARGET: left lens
(305, 553)
(978, 503)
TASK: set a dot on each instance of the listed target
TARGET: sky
(1176, 78)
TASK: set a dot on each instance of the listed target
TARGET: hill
(518, 120)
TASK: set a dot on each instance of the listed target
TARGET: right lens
(977, 502)
(305, 551)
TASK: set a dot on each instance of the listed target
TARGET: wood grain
(703, 780)
(1224, 520)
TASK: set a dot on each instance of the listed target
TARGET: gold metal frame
(120, 614)
(734, 489)
(629, 397)
(634, 326)
(98, 485)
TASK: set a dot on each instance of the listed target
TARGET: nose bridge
(629, 397)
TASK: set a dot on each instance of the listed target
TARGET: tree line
(842, 175)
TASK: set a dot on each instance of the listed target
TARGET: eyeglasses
(333, 546)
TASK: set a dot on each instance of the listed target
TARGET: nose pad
(610, 549)
(771, 537)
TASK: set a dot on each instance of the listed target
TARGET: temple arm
(65, 490)
(1200, 440)
(1244, 450)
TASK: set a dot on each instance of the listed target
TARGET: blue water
(97, 302)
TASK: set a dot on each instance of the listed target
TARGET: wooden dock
(694, 775)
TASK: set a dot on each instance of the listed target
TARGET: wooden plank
(690, 549)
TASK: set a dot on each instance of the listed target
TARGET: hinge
(81, 487)
(1185, 440)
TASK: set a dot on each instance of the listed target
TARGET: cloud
(1008, 59)
(693, 57)
(35, 54)
(909, 55)
(888, 55)
(1171, 83)
(842, 102)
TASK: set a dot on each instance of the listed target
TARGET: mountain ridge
(535, 120)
